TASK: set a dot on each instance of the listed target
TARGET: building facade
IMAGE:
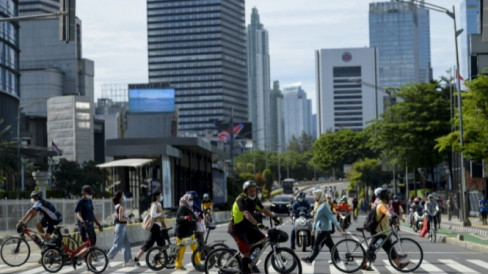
(401, 33)
(297, 111)
(258, 80)
(34, 7)
(199, 48)
(277, 122)
(345, 99)
(9, 71)
(470, 23)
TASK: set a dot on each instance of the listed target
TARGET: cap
(87, 189)
(377, 191)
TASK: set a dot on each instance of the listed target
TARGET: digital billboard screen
(151, 100)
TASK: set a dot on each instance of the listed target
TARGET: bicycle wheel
(15, 251)
(223, 260)
(409, 252)
(203, 253)
(282, 260)
(52, 260)
(156, 258)
(351, 255)
(96, 260)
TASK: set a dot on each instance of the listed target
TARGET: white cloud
(114, 36)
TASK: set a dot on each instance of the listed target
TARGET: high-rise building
(346, 95)
(277, 122)
(401, 33)
(470, 23)
(9, 69)
(35, 7)
(258, 80)
(297, 111)
(199, 48)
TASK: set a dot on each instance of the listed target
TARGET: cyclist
(300, 205)
(186, 225)
(344, 206)
(207, 204)
(50, 216)
(432, 209)
(243, 226)
(396, 205)
(355, 207)
(383, 215)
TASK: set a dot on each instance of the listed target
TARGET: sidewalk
(455, 225)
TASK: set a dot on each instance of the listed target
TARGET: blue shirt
(484, 205)
(85, 207)
(299, 206)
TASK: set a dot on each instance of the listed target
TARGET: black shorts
(49, 223)
(246, 237)
(484, 213)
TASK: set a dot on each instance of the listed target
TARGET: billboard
(241, 131)
(151, 100)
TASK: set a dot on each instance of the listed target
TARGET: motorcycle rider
(344, 206)
(243, 226)
(298, 206)
(432, 209)
(415, 207)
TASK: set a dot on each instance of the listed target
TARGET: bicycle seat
(211, 226)
(360, 229)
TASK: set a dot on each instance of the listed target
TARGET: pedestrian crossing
(469, 266)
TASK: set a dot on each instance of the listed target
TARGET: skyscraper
(346, 95)
(199, 48)
(401, 33)
(470, 23)
(32, 7)
(258, 80)
(9, 84)
(277, 122)
(297, 111)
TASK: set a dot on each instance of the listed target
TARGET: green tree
(475, 122)
(367, 174)
(294, 144)
(306, 142)
(8, 155)
(268, 178)
(333, 150)
(67, 175)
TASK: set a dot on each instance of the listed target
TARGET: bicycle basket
(277, 236)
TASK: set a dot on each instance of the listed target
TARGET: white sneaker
(129, 263)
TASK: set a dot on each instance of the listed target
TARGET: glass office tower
(470, 23)
(401, 33)
(199, 48)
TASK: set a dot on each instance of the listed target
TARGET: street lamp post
(452, 15)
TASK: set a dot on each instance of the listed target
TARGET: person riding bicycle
(243, 226)
(50, 216)
(301, 205)
(432, 209)
(207, 204)
(344, 206)
(396, 205)
(383, 215)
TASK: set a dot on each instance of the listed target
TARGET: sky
(114, 36)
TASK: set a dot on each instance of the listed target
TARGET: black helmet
(384, 194)
(36, 194)
(301, 194)
(248, 184)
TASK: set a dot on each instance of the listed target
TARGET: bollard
(460, 237)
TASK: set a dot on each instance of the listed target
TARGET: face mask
(124, 198)
(190, 203)
(89, 197)
(300, 200)
(33, 201)
(260, 195)
(161, 199)
(252, 198)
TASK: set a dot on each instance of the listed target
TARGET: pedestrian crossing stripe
(430, 268)
(479, 263)
(457, 266)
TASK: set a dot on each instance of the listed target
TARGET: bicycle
(15, 251)
(207, 215)
(159, 257)
(55, 257)
(204, 250)
(352, 252)
(280, 259)
(433, 229)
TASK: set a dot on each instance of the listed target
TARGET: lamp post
(452, 15)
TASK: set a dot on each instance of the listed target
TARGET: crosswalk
(469, 266)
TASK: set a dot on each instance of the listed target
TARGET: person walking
(323, 226)
(121, 239)
(483, 204)
(157, 235)
(185, 228)
(85, 213)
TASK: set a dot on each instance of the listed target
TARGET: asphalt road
(438, 258)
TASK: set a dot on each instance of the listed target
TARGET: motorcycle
(344, 220)
(418, 221)
(303, 231)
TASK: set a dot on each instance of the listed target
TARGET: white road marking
(457, 266)
(430, 268)
(389, 267)
(479, 263)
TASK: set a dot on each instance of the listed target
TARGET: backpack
(148, 222)
(370, 222)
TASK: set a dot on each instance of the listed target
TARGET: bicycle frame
(73, 253)
(392, 232)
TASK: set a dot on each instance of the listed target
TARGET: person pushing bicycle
(50, 216)
(243, 226)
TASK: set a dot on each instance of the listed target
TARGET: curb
(466, 245)
(456, 228)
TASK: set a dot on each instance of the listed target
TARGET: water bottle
(255, 253)
(378, 243)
